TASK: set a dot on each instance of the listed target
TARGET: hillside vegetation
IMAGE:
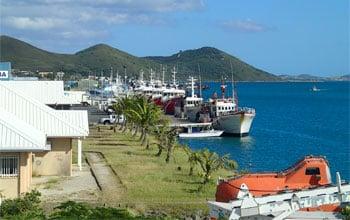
(100, 58)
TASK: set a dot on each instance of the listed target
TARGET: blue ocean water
(291, 122)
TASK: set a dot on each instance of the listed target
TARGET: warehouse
(35, 140)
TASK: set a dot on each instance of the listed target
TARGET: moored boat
(230, 118)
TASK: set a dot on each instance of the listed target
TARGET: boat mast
(192, 87)
(234, 92)
(151, 77)
(200, 81)
(163, 72)
(111, 77)
(174, 77)
(141, 76)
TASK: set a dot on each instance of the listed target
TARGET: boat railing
(247, 110)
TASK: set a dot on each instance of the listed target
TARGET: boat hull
(237, 124)
(201, 134)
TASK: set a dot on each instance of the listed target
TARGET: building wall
(57, 162)
(11, 187)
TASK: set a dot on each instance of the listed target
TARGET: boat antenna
(200, 81)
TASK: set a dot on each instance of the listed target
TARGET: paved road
(108, 181)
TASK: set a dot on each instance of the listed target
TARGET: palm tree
(160, 132)
(118, 109)
(171, 143)
(146, 115)
(122, 105)
(211, 162)
(192, 158)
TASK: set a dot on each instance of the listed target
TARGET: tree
(160, 132)
(146, 115)
(193, 156)
(211, 162)
(171, 143)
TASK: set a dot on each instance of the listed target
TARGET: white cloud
(244, 26)
(84, 21)
(36, 23)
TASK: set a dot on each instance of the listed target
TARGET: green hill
(213, 62)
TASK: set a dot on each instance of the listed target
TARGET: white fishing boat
(315, 89)
(199, 130)
(230, 118)
(190, 106)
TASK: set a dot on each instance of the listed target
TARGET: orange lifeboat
(309, 172)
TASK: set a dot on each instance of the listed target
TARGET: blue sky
(279, 36)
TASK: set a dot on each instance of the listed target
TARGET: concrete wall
(57, 162)
(11, 187)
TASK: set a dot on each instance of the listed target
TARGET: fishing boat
(200, 130)
(304, 187)
(227, 116)
(189, 106)
(171, 96)
(315, 89)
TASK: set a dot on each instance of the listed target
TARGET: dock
(185, 123)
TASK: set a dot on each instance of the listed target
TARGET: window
(312, 171)
(8, 166)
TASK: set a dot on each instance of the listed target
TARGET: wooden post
(79, 153)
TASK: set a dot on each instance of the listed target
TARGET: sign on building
(4, 74)
(5, 70)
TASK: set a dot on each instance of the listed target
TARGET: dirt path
(106, 178)
(80, 187)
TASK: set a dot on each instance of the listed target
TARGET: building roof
(16, 135)
(40, 116)
(47, 92)
(76, 117)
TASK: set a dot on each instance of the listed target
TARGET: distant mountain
(213, 63)
(308, 78)
(94, 59)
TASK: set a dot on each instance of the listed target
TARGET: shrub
(74, 210)
(346, 212)
(26, 206)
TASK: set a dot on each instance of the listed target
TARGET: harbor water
(291, 121)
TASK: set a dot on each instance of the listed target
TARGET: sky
(278, 36)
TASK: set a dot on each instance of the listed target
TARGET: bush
(26, 206)
(74, 210)
(346, 212)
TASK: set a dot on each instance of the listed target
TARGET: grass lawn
(151, 183)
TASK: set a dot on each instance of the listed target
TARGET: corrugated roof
(47, 92)
(76, 117)
(39, 115)
(16, 135)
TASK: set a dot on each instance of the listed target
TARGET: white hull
(201, 134)
(235, 124)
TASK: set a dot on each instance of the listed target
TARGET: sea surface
(291, 122)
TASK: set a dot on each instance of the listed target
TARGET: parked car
(112, 119)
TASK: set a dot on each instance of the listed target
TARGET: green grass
(151, 183)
